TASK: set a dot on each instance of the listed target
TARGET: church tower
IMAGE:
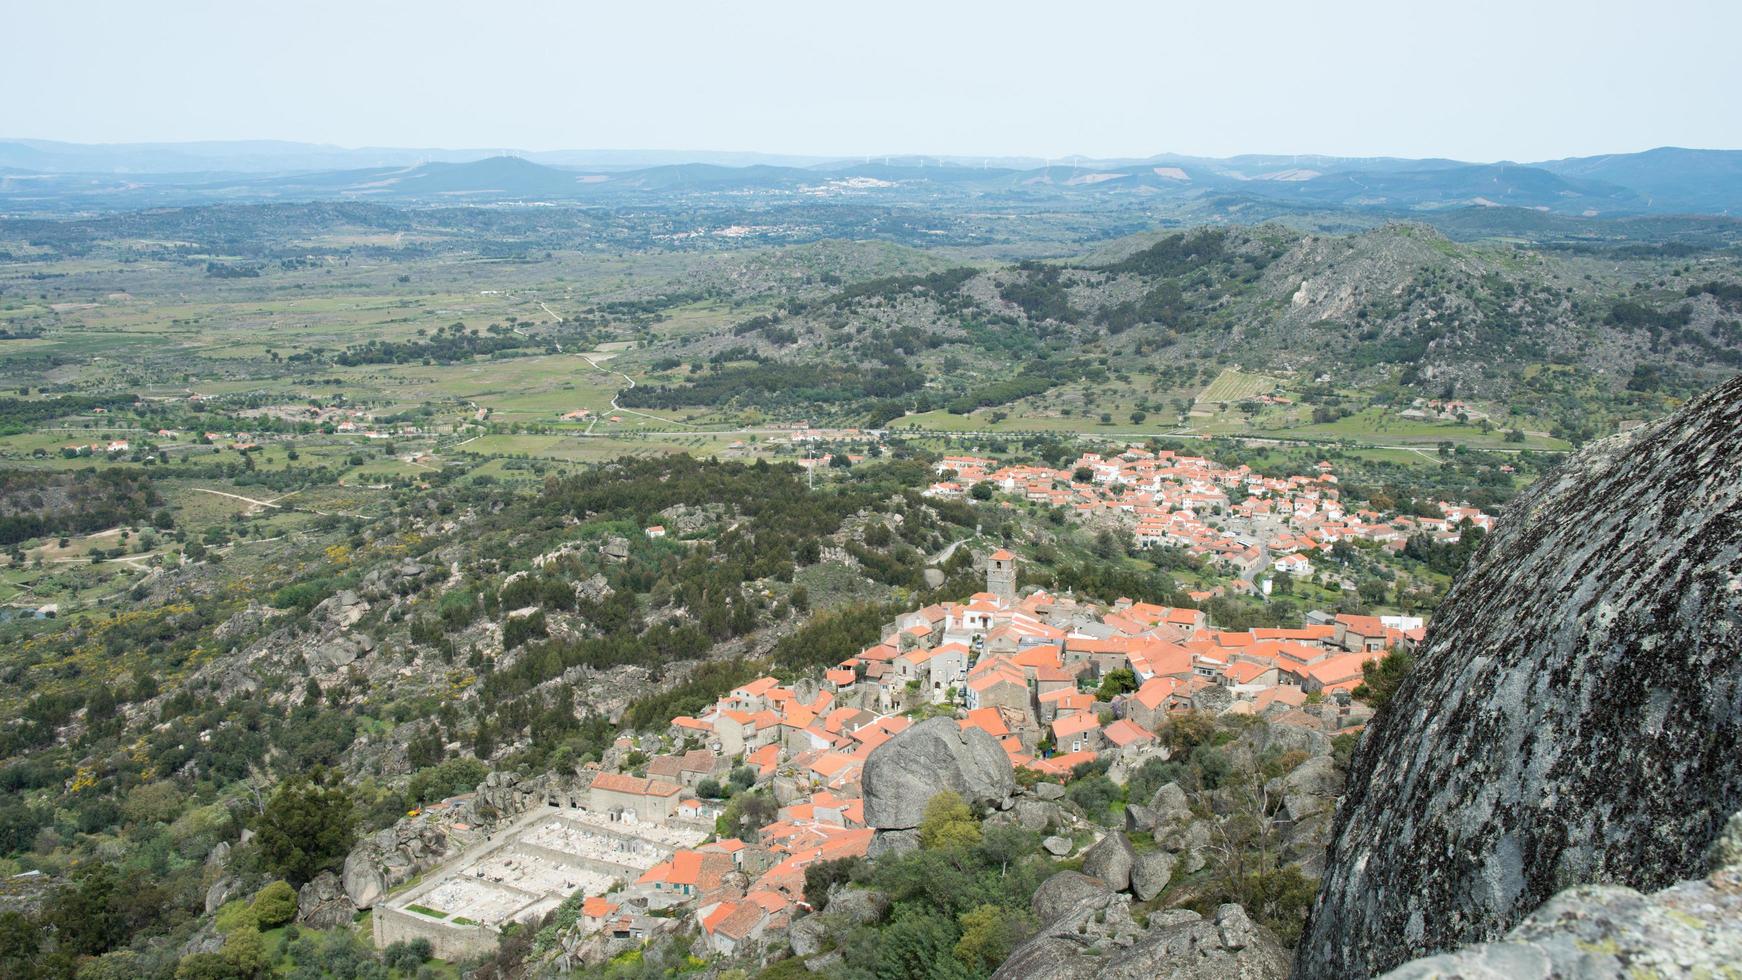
(1001, 576)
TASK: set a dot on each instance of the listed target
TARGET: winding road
(629, 411)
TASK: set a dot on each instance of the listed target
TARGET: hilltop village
(1241, 521)
(648, 844)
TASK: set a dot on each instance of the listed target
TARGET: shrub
(235, 917)
(274, 905)
(1095, 794)
(204, 966)
(822, 876)
(245, 952)
(1155, 773)
(445, 779)
(406, 956)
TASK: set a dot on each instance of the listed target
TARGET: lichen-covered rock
(1150, 873)
(1309, 795)
(1110, 860)
(1309, 787)
(1098, 940)
(903, 774)
(323, 904)
(808, 936)
(218, 858)
(206, 939)
(396, 854)
(1060, 893)
(1214, 699)
(1170, 805)
(222, 890)
(364, 883)
(1692, 929)
(1727, 849)
(892, 843)
(1139, 818)
(1575, 712)
(1036, 815)
(1280, 736)
(859, 905)
(1188, 840)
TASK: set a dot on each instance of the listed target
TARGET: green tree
(747, 814)
(948, 823)
(1381, 678)
(245, 952)
(158, 802)
(918, 944)
(1187, 730)
(1117, 682)
(820, 877)
(445, 779)
(204, 966)
(118, 964)
(85, 915)
(989, 933)
(407, 956)
(306, 828)
(20, 943)
(1095, 793)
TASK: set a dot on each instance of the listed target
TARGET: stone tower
(1001, 576)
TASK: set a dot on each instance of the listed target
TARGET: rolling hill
(47, 177)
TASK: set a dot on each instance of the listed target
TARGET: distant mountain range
(44, 176)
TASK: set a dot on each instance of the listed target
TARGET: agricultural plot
(1233, 386)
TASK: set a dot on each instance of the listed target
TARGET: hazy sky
(1471, 79)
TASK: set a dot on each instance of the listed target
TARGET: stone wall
(449, 941)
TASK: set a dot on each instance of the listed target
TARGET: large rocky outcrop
(1690, 929)
(1087, 933)
(1575, 713)
(903, 774)
(1110, 860)
(322, 903)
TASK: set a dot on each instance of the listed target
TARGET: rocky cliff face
(1693, 929)
(1575, 713)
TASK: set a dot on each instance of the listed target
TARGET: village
(1054, 680)
(1237, 520)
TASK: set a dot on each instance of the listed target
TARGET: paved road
(949, 549)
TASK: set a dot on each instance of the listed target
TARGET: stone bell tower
(1001, 576)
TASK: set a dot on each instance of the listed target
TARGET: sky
(1472, 80)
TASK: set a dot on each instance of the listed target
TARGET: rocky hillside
(1575, 713)
(1400, 304)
